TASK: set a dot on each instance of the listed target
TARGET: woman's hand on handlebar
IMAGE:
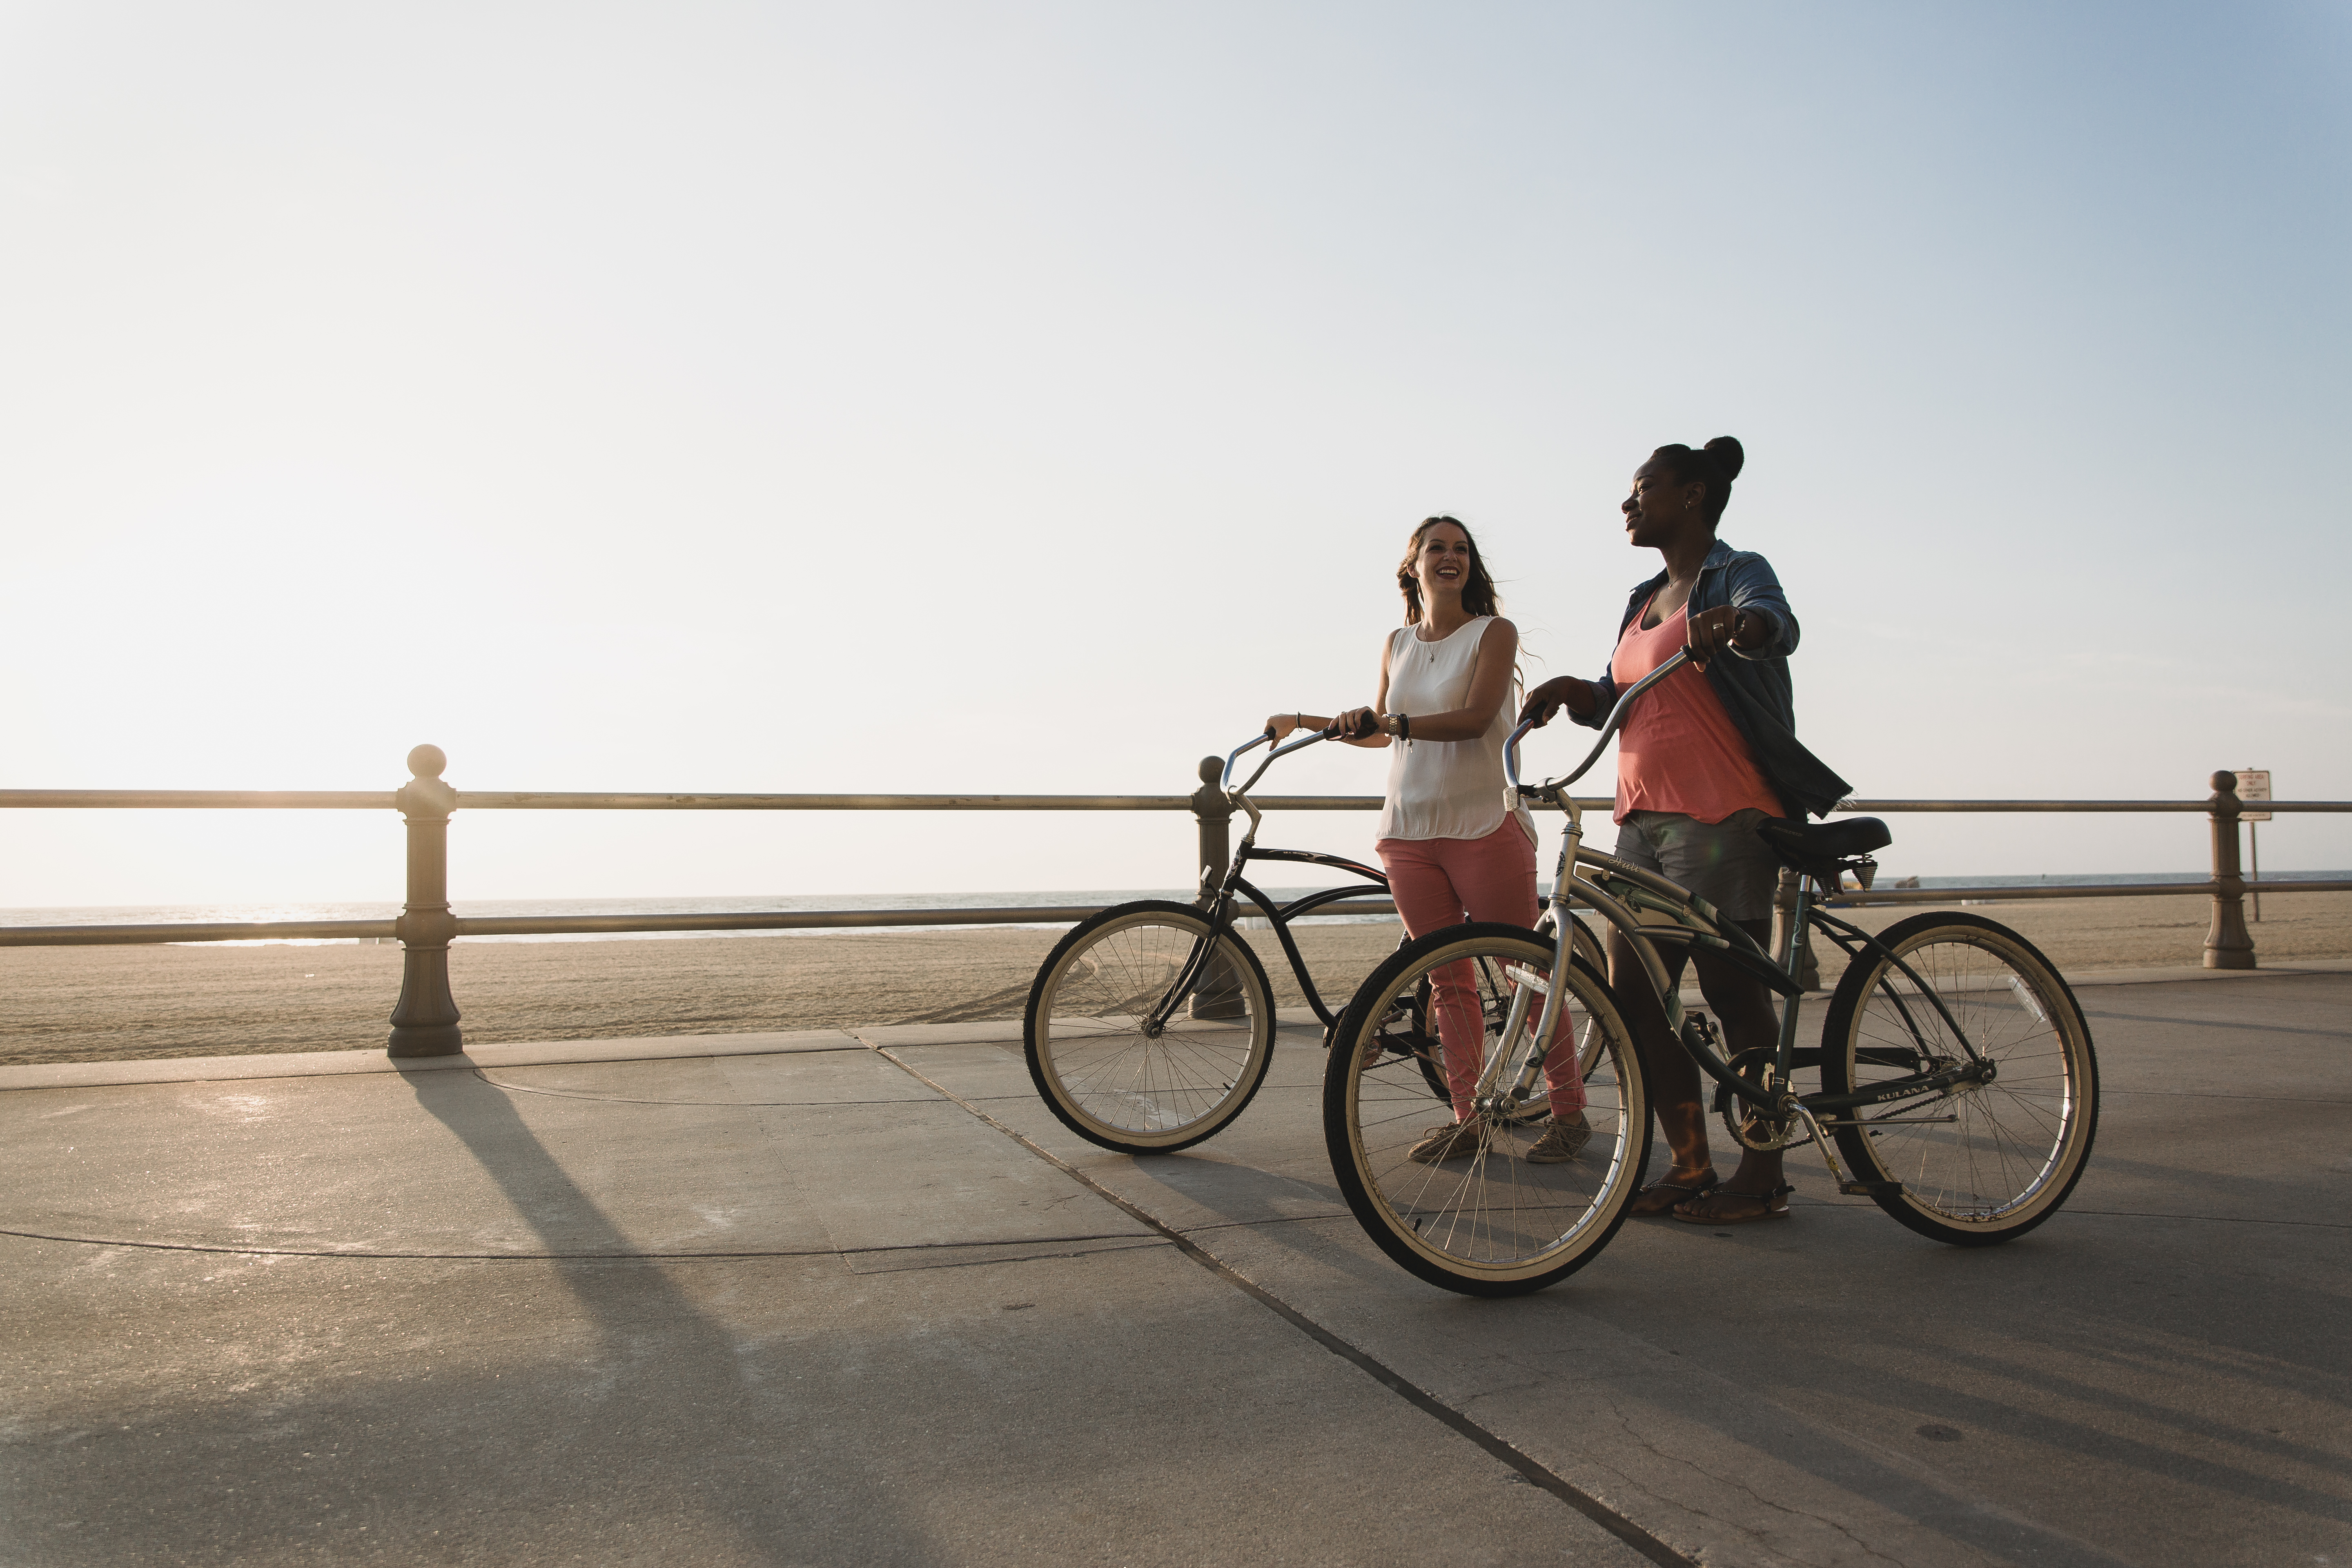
(1561, 691)
(1712, 631)
(1356, 725)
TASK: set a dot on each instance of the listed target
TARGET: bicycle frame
(1218, 902)
(1280, 916)
(1620, 892)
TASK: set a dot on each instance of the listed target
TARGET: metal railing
(426, 1018)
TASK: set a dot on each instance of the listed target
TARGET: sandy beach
(94, 1004)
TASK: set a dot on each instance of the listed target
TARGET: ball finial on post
(426, 762)
(1212, 769)
(2225, 782)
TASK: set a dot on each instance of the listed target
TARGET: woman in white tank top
(1453, 848)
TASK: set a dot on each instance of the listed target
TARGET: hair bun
(1729, 457)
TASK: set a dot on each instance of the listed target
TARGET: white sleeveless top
(1444, 789)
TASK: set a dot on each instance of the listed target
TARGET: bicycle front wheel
(1479, 1217)
(1146, 1030)
(1979, 1163)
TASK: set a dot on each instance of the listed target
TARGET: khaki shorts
(1723, 862)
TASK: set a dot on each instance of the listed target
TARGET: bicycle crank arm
(1846, 1184)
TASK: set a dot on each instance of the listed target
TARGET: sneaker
(1452, 1140)
(1560, 1141)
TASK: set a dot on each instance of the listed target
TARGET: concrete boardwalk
(808, 1298)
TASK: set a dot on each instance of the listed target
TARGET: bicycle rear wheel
(1491, 1222)
(1979, 1163)
(1141, 1035)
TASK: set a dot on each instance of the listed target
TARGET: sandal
(1773, 1204)
(1689, 1191)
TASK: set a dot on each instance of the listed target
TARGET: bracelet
(1404, 725)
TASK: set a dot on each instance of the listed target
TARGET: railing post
(424, 1022)
(2228, 943)
(1219, 994)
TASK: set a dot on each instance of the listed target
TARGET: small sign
(2253, 784)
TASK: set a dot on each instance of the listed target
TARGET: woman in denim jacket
(1704, 756)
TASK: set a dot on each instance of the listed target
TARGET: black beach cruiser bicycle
(1953, 1069)
(1152, 1024)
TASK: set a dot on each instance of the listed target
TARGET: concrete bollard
(2228, 943)
(425, 1021)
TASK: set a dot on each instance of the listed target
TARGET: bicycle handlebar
(1609, 727)
(1329, 732)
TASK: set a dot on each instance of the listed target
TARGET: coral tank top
(1679, 751)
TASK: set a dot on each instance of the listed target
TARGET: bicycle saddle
(1816, 849)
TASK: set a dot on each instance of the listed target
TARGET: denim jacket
(1753, 687)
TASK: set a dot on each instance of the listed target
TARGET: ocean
(156, 914)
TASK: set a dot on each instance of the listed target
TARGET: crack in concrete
(721, 1104)
(572, 1257)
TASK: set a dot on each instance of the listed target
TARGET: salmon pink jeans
(1441, 882)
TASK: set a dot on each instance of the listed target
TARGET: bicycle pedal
(1871, 1189)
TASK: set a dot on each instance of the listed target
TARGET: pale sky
(999, 397)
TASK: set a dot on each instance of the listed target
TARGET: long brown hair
(1478, 595)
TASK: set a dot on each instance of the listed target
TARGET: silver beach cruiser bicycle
(1152, 1024)
(1954, 1071)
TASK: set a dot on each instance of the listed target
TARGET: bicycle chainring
(1750, 1127)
